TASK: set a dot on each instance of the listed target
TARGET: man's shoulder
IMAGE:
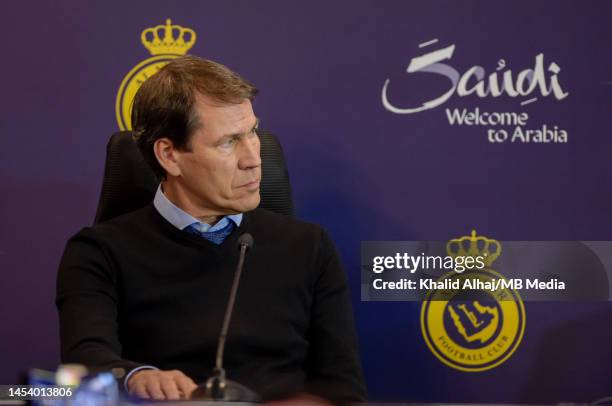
(265, 217)
(279, 226)
(125, 224)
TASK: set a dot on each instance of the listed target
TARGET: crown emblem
(168, 39)
(473, 246)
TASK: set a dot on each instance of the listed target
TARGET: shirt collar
(181, 219)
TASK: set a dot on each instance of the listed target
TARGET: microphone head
(246, 240)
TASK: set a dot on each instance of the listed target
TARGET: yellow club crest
(473, 330)
(164, 42)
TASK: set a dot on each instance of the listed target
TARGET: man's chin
(256, 199)
(248, 203)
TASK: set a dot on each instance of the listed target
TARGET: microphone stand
(217, 387)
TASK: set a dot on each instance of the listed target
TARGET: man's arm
(87, 304)
(333, 367)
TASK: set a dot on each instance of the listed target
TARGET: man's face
(221, 173)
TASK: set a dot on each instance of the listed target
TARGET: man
(145, 293)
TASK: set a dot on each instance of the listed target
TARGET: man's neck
(183, 201)
(210, 220)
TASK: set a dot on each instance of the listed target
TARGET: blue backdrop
(357, 167)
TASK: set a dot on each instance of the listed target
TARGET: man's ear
(166, 155)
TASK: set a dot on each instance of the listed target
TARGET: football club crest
(164, 42)
(473, 330)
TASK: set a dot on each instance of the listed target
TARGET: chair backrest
(129, 183)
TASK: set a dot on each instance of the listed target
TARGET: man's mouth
(251, 185)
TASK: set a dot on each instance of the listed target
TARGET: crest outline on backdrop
(478, 332)
(164, 43)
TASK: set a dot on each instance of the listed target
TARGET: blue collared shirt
(180, 219)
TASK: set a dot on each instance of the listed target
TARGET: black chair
(129, 183)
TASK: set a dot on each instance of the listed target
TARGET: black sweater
(137, 291)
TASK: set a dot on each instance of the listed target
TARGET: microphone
(217, 387)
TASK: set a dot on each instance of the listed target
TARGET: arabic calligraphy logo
(473, 81)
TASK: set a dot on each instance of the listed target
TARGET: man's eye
(228, 143)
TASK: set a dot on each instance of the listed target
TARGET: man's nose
(250, 154)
